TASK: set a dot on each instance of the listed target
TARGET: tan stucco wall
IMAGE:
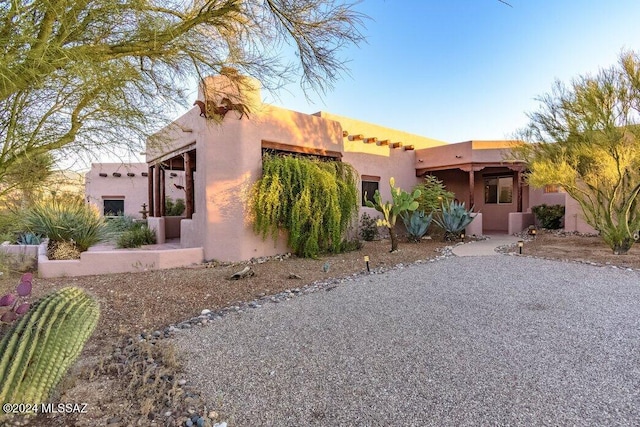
(132, 189)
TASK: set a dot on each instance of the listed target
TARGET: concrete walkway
(485, 247)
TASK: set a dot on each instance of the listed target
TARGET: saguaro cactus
(38, 350)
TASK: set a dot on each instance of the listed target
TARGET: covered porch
(177, 168)
(480, 174)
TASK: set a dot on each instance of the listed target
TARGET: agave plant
(416, 224)
(453, 218)
(29, 238)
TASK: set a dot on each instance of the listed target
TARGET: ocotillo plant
(402, 202)
(37, 351)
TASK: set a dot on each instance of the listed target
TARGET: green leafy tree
(101, 73)
(402, 202)
(314, 201)
(587, 139)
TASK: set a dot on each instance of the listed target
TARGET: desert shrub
(549, 216)
(118, 224)
(453, 218)
(313, 200)
(433, 195)
(368, 228)
(172, 208)
(136, 236)
(67, 220)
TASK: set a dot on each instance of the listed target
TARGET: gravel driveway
(461, 341)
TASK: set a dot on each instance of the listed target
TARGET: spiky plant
(67, 219)
(453, 218)
(38, 350)
(416, 224)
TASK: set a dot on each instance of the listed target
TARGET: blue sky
(456, 70)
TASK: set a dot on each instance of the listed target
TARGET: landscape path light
(366, 261)
(520, 245)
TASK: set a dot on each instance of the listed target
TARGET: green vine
(313, 200)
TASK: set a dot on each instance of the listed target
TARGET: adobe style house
(219, 162)
(122, 187)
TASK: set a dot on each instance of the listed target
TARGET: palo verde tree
(313, 200)
(586, 138)
(101, 74)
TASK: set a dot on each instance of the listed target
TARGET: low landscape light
(520, 246)
(366, 261)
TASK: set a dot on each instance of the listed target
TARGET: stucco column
(188, 184)
(472, 184)
(150, 191)
(156, 190)
(162, 191)
(518, 177)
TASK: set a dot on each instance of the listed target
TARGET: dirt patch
(573, 247)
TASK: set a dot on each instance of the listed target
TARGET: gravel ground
(461, 341)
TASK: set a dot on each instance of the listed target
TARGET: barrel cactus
(37, 351)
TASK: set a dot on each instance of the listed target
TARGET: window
(498, 190)
(369, 186)
(113, 207)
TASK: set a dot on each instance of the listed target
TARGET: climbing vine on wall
(313, 200)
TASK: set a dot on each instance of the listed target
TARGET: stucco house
(218, 162)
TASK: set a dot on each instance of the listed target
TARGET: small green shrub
(368, 228)
(172, 208)
(136, 237)
(433, 195)
(120, 223)
(453, 219)
(549, 216)
(66, 220)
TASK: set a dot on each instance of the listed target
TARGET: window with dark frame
(368, 190)
(498, 190)
(113, 207)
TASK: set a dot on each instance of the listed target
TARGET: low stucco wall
(25, 250)
(119, 261)
(476, 225)
(518, 221)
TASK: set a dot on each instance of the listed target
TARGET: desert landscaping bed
(117, 362)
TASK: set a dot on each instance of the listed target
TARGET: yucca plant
(416, 224)
(66, 220)
(453, 218)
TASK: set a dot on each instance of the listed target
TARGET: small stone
(168, 414)
(157, 334)
(182, 382)
(200, 422)
(221, 424)
(114, 420)
(213, 415)
(205, 311)
(188, 423)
